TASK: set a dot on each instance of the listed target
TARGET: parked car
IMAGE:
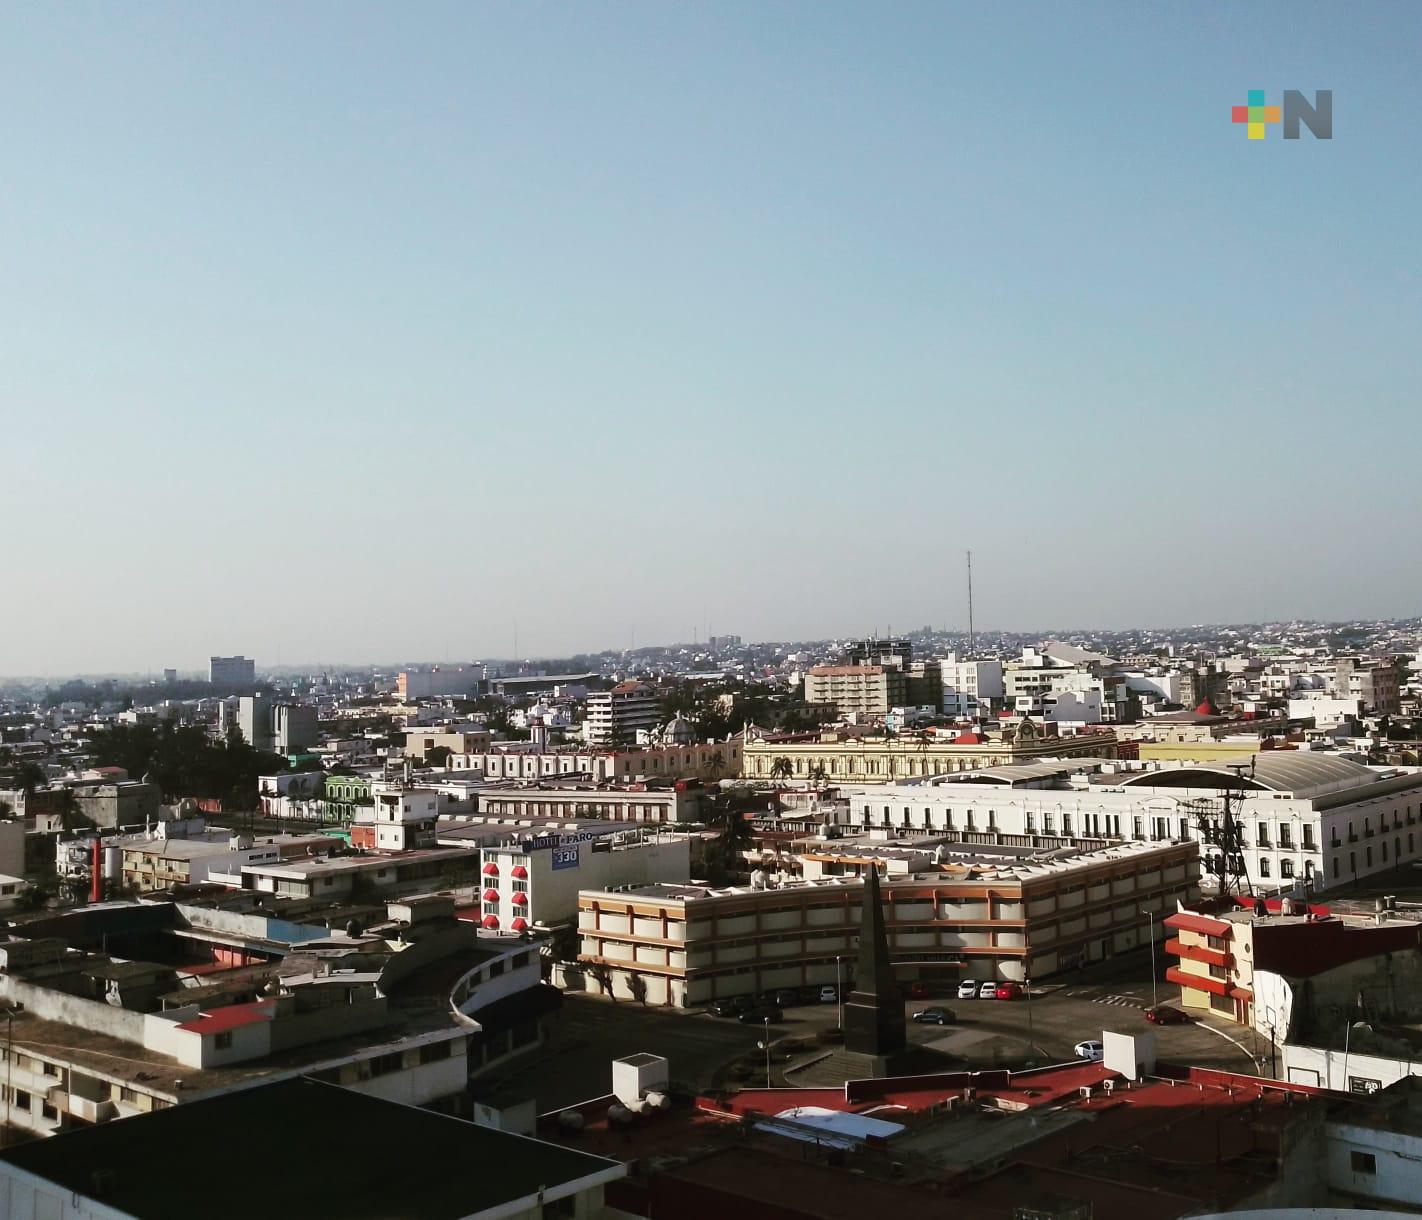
(967, 990)
(760, 1014)
(729, 1006)
(987, 991)
(829, 993)
(1163, 1014)
(1008, 991)
(786, 997)
(1089, 1050)
(934, 1016)
(916, 991)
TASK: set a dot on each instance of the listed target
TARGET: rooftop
(155, 1166)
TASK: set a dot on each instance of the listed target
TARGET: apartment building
(459, 681)
(1306, 818)
(878, 760)
(614, 716)
(977, 913)
(970, 688)
(857, 692)
(231, 672)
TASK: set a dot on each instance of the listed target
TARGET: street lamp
(839, 992)
(767, 1052)
(1151, 916)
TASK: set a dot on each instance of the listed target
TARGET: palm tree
(818, 774)
(781, 768)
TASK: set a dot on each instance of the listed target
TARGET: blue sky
(344, 332)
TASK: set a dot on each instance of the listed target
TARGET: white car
(988, 990)
(1089, 1050)
(967, 990)
(829, 994)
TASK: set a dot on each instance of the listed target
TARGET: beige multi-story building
(862, 691)
(879, 760)
(614, 802)
(979, 913)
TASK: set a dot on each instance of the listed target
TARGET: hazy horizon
(337, 331)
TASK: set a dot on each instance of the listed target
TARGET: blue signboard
(565, 857)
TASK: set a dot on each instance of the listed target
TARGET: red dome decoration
(519, 924)
(491, 921)
(518, 871)
(491, 895)
(491, 869)
(520, 899)
(1206, 708)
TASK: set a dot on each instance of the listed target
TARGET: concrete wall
(1396, 1175)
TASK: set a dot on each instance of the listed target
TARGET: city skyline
(649, 317)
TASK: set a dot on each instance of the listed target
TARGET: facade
(123, 803)
(231, 672)
(460, 681)
(397, 819)
(615, 716)
(708, 760)
(338, 878)
(970, 688)
(537, 881)
(618, 802)
(158, 863)
(1011, 916)
(346, 796)
(879, 760)
(419, 742)
(280, 728)
(864, 692)
(1309, 819)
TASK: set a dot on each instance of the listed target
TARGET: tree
(818, 774)
(781, 769)
(29, 776)
(438, 756)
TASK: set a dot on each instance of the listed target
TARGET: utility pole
(839, 991)
(767, 1052)
(1154, 998)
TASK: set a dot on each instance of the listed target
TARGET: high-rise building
(614, 716)
(232, 671)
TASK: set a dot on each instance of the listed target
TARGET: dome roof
(679, 731)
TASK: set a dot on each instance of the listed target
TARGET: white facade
(1308, 817)
(538, 882)
(970, 687)
(614, 716)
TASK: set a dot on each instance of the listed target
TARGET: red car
(1009, 991)
(916, 991)
(1163, 1014)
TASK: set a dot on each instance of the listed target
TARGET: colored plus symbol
(1256, 114)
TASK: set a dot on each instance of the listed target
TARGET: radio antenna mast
(972, 649)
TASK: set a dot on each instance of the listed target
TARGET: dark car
(786, 997)
(729, 1006)
(916, 991)
(934, 1016)
(1163, 1014)
(758, 1016)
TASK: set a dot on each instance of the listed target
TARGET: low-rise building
(618, 802)
(975, 913)
(709, 760)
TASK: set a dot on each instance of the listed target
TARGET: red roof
(491, 869)
(1190, 922)
(968, 739)
(518, 870)
(491, 895)
(519, 924)
(217, 1020)
(491, 921)
(520, 899)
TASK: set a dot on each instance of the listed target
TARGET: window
(1335, 869)
(223, 1040)
(1263, 868)
(1308, 838)
(1363, 1162)
(433, 1052)
(496, 968)
(1286, 836)
(49, 1112)
(383, 1065)
(1286, 868)
(1262, 834)
(23, 1100)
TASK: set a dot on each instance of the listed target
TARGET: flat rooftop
(156, 1166)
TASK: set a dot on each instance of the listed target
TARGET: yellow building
(880, 760)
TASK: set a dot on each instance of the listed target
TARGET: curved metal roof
(1302, 773)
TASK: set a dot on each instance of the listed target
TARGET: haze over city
(358, 333)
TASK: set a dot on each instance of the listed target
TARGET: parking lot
(575, 1064)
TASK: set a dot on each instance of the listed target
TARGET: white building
(615, 715)
(970, 688)
(537, 881)
(1305, 817)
